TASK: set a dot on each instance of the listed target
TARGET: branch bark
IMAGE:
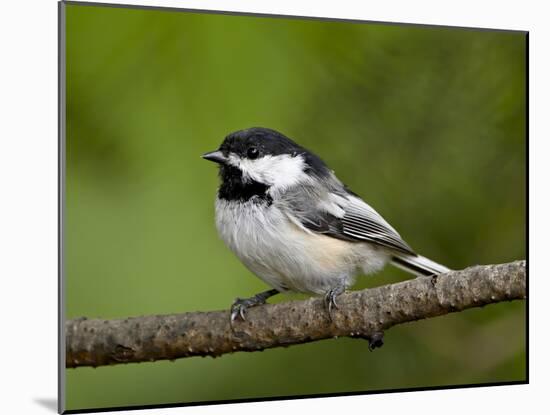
(364, 314)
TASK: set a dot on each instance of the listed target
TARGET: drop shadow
(48, 403)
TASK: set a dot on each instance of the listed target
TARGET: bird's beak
(215, 156)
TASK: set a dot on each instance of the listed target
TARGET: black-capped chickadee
(291, 222)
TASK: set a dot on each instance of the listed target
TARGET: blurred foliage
(426, 123)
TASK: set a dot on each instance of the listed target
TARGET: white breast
(285, 255)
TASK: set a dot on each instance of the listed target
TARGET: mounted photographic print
(258, 207)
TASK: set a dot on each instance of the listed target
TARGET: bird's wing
(342, 215)
(362, 222)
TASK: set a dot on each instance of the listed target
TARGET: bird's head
(266, 157)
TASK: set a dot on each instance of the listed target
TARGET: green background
(426, 123)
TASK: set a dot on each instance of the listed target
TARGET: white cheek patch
(280, 171)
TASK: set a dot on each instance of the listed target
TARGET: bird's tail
(418, 265)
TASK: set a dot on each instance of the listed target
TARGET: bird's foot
(240, 305)
(330, 298)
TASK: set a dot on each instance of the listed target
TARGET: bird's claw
(240, 305)
(330, 299)
(238, 309)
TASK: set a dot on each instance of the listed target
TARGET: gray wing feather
(364, 223)
(337, 213)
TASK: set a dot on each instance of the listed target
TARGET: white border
(28, 208)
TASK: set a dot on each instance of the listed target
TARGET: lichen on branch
(365, 314)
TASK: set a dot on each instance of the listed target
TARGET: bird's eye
(252, 153)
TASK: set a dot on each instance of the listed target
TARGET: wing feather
(342, 215)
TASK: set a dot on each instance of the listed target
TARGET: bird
(283, 212)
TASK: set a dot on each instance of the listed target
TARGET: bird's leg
(330, 298)
(240, 305)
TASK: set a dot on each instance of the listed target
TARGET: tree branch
(364, 314)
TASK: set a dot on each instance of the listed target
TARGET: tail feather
(418, 265)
